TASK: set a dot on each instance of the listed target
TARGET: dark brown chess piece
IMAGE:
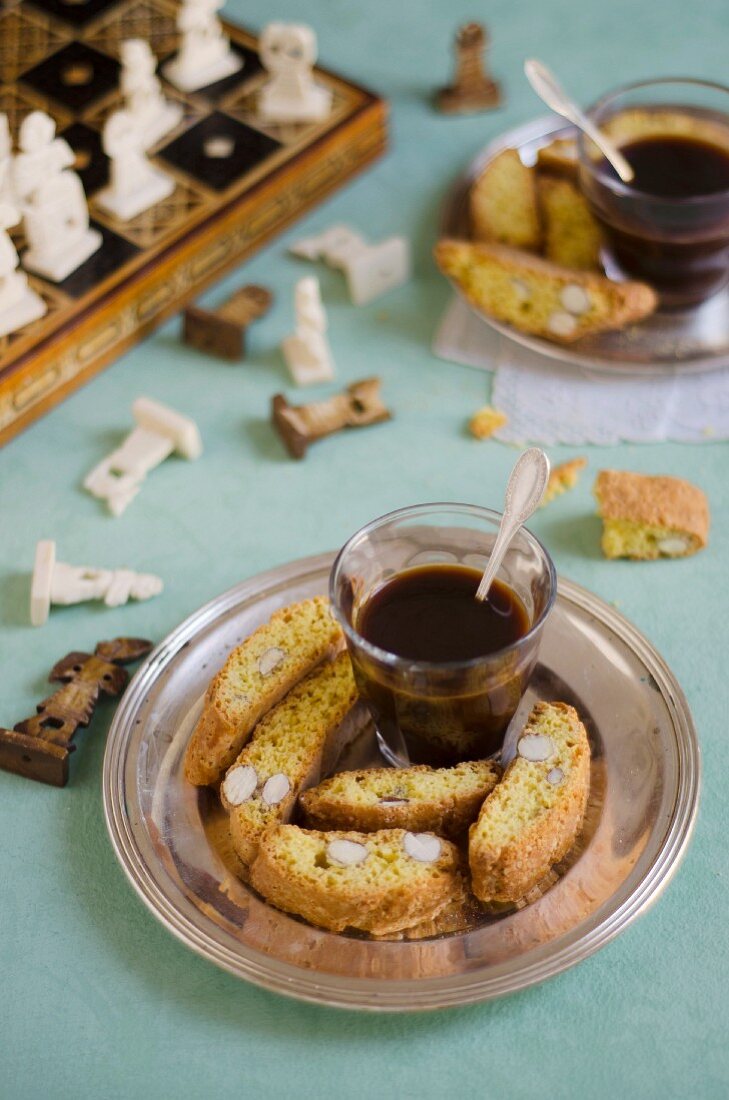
(299, 425)
(222, 331)
(39, 747)
(472, 89)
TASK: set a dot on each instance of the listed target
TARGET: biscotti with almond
(540, 297)
(647, 517)
(571, 235)
(503, 203)
(559, 158)
(285, 753)
(379, 882)
(255, 676)
(533, 816)
(422, 799)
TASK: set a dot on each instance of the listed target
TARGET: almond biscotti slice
(285, 753)
(571, 234)
(256, 675)
(503, 203)
(375, 882)
(559, 158)
(421, 799)
(646, 517)
(533, 816)
(540, 297)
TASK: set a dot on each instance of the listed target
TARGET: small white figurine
(160, 431)
(288, 52)
(371, 269)
(55, 582)
(205, 55)
(154, 115)
(19, 305)
(52, 200)
(307, 352)
(135, 184)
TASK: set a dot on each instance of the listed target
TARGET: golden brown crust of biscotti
(655, 501)
(288, 743)
(385, 893)
(528, 823)
(421, 799)
(247, 687)
(539, 297)
(503, 203)
(571, 234)
(559, 158)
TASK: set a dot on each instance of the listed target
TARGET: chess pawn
(205, 56)
(135, 184)
(288, 52)
(142, 92)
(307, 351)
(472, 88)
(53, 201)
(19, 305)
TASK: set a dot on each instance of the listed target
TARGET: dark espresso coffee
(677, 167)
(449, 710)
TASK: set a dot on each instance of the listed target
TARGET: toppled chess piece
(205, 55)
(299, 425)
(19, 304)
(39, 747)
(135, 184)
(160, 431)
(371, 269)
(154, 116)
(55, 582)
(222, 331)
(472, 88)
(307, 351)
(52, 200)
(288, 52)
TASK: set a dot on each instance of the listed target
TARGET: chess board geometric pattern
(62, 57)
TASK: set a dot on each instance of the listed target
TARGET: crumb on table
(486, 421)
(563, 477)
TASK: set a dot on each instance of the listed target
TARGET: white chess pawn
(288, 52)
(204, 56)
(142, 92)
(307, 351)
(53, 202)
(19, 305)
(135, 184)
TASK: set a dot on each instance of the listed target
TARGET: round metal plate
(170, 838)
(676, 342)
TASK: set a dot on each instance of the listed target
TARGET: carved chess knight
(135, 184)
(19, 305)
(142, 92)
(205, 55)
(52, 200)
(288, 51)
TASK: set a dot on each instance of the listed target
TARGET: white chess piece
(141, 90)
(307, 352)
(7, 190)
(55, 582)
(204, 56)
(53, 202)
(160, 431)
(288, 52)
(19, 305)
(135, 184)
(370, 269)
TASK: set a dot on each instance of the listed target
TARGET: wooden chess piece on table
(472, 89)
(299, 425)
(205, 55)
(222, 331)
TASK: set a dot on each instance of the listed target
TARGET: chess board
(62, 57)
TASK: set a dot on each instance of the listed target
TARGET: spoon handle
(524, 490)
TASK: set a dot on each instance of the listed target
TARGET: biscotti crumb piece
(562, 478)
(571, 234)
(647, 517)
(486, 421)
(533, 816)
(503, 203)
(285, 753)
(540, 297)
(422, 799)
(559, 158)
(366, 881)
(255, 676)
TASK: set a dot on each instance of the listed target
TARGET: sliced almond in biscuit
(423, 847)
(562, 323)
(575, 299)
(535, 747)
(346, 852)
(239, 784)
(270, 660)
(275, 789)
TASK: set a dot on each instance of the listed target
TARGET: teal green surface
(96, 998)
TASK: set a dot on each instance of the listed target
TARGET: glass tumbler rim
(615, 184)
(392, 660)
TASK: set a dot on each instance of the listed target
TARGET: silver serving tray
(171, 841)
(677, 342)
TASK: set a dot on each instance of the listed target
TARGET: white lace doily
(549, 403)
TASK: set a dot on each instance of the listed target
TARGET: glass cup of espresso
(441, 672)
(670, 225)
